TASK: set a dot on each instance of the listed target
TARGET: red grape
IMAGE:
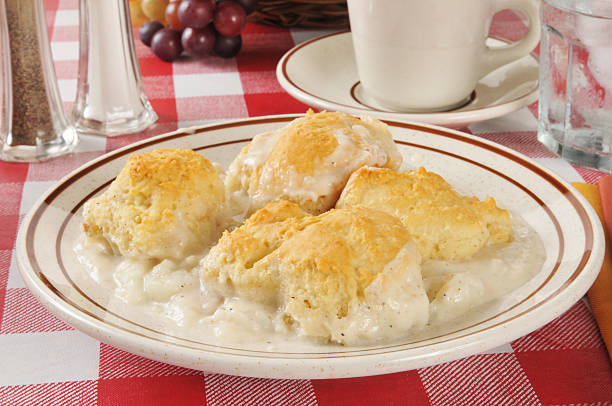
(196, 13)
(227, 47)
(166, 44)
(198, 41)
(172, 17)
(248, 5)
(229, 18)
(147, 30)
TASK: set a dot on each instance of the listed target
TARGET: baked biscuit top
(345, 276)
(307, 142)
(166, 203)
(237, 252)
(443, 223)
(309, 160)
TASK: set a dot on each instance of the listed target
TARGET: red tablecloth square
(166, 110)
(8, 225)
(569, 376)
(261, 51)
(403, 388)
(251, 28)
(153, 66)
(273, 103)
(13, 172)
(146, 391)
(55, 4)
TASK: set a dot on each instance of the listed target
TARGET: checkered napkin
(44, 361)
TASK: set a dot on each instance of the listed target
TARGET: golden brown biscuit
(230, 262)
(498, 220)
(309, 160)
(349, 276)
(167, 203)
(443, 223)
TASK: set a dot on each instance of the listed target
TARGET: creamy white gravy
(331, 172)
(167, 296)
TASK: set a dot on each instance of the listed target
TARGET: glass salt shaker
(33, 125)
(110, 96)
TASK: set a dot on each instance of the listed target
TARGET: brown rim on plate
(589, 237)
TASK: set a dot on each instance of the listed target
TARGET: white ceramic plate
(570, 230)
(322, 73)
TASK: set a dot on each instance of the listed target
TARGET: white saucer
(322, 73)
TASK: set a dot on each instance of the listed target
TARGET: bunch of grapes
(198, 27)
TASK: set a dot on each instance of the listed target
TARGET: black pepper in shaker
(39, 127)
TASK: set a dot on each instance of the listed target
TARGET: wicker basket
(302, 13)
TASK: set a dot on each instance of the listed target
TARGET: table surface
(45, 361)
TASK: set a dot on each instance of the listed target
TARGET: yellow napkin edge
(600, 293)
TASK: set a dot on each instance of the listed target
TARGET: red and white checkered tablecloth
(44, 361)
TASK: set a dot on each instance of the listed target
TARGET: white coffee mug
(428, 55)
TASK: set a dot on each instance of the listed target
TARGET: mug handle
(494, 58)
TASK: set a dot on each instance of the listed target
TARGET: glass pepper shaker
(33, 124)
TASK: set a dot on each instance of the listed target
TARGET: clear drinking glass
(110, 96)
(33, 124)
(575, 105)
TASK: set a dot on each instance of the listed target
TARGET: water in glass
(575, 105)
